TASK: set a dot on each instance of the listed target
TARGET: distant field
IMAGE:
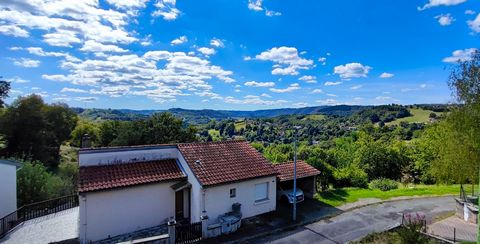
(240, 124)
(215, 134)
(418, 116)
(337, 197)
(314, 117)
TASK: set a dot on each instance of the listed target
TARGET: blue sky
(245, 54)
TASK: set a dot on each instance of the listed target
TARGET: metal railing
(35, 210)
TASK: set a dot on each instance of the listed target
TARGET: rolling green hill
(419, 115)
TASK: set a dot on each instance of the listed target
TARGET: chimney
(86, 141)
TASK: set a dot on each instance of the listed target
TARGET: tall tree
(35, 130)
(4, 89)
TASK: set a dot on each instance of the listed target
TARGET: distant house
(124, 189)
(8, 187)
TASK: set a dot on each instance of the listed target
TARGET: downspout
(203, 200)
(84, 199)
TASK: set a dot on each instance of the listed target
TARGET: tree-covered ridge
(316, 128)
(203, 116)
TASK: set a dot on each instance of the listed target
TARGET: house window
(233, 192)
(261, 192)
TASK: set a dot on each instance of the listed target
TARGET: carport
(306, 177)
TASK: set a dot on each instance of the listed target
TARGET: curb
(296, 225)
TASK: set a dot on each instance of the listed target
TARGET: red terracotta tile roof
(227, 161)
(285, 170)
(93, 178)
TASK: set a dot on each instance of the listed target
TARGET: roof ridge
(129, 162)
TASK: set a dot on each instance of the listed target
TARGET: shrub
(410, 231)
(350, 176)
(384, 184)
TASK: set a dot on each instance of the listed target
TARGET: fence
(189, 233)
(35, 210)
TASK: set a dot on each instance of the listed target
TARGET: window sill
(261, 202)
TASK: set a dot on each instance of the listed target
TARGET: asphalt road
(358, 223)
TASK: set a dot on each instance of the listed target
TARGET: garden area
(340, 196)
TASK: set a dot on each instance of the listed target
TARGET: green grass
(337, 197)
(215, 134)
(239, 125)
(418, 116)
(314, 117)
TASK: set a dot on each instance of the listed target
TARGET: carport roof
(285, 170)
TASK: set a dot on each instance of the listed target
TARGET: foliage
(160, 128)
(4, 89)
(410, 230)
(390, 237)
(457, 139)
(35, 183)
(350, 176)
(383, 184)
(84, 127)
(35, 130)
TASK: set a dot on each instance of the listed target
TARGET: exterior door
(179, 205)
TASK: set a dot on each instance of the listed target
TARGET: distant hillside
(205, 115)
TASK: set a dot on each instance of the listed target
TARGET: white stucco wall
(123, 156)
(125, 210)
(8, 189)
(196, 203)
(218, 201)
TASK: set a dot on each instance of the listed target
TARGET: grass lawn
(418, 116)
(239, 125)
(314, 117)
(337, 197)
(215, 134)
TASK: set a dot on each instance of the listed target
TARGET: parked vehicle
(287, 195)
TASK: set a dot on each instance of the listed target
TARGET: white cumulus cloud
(259, 84)
(385, 75)
(216, 42)
(166, 9)
(206, 51)
(352, 70)
(435, 3)
(179, 41)
(475, 24)
(290, 88)
(460, 55)
(332, 83)
(445, 19)
(26, 62)
(286, 60)
(309, 79)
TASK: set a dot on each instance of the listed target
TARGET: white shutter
(261, 192)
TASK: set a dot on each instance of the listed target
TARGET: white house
(8, 187)
(124, 189)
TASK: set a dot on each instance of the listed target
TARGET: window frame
(267, 192)
(234, 195)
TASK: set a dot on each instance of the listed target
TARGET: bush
(410, 231)
(384, 184)
(350, 176)
(35, 184)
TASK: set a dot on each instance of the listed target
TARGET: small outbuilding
(306, 177)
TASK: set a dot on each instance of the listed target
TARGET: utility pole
(294, 215)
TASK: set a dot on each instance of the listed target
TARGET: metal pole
(294, 216)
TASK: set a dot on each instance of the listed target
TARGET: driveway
(50, 228)
(358, 223)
